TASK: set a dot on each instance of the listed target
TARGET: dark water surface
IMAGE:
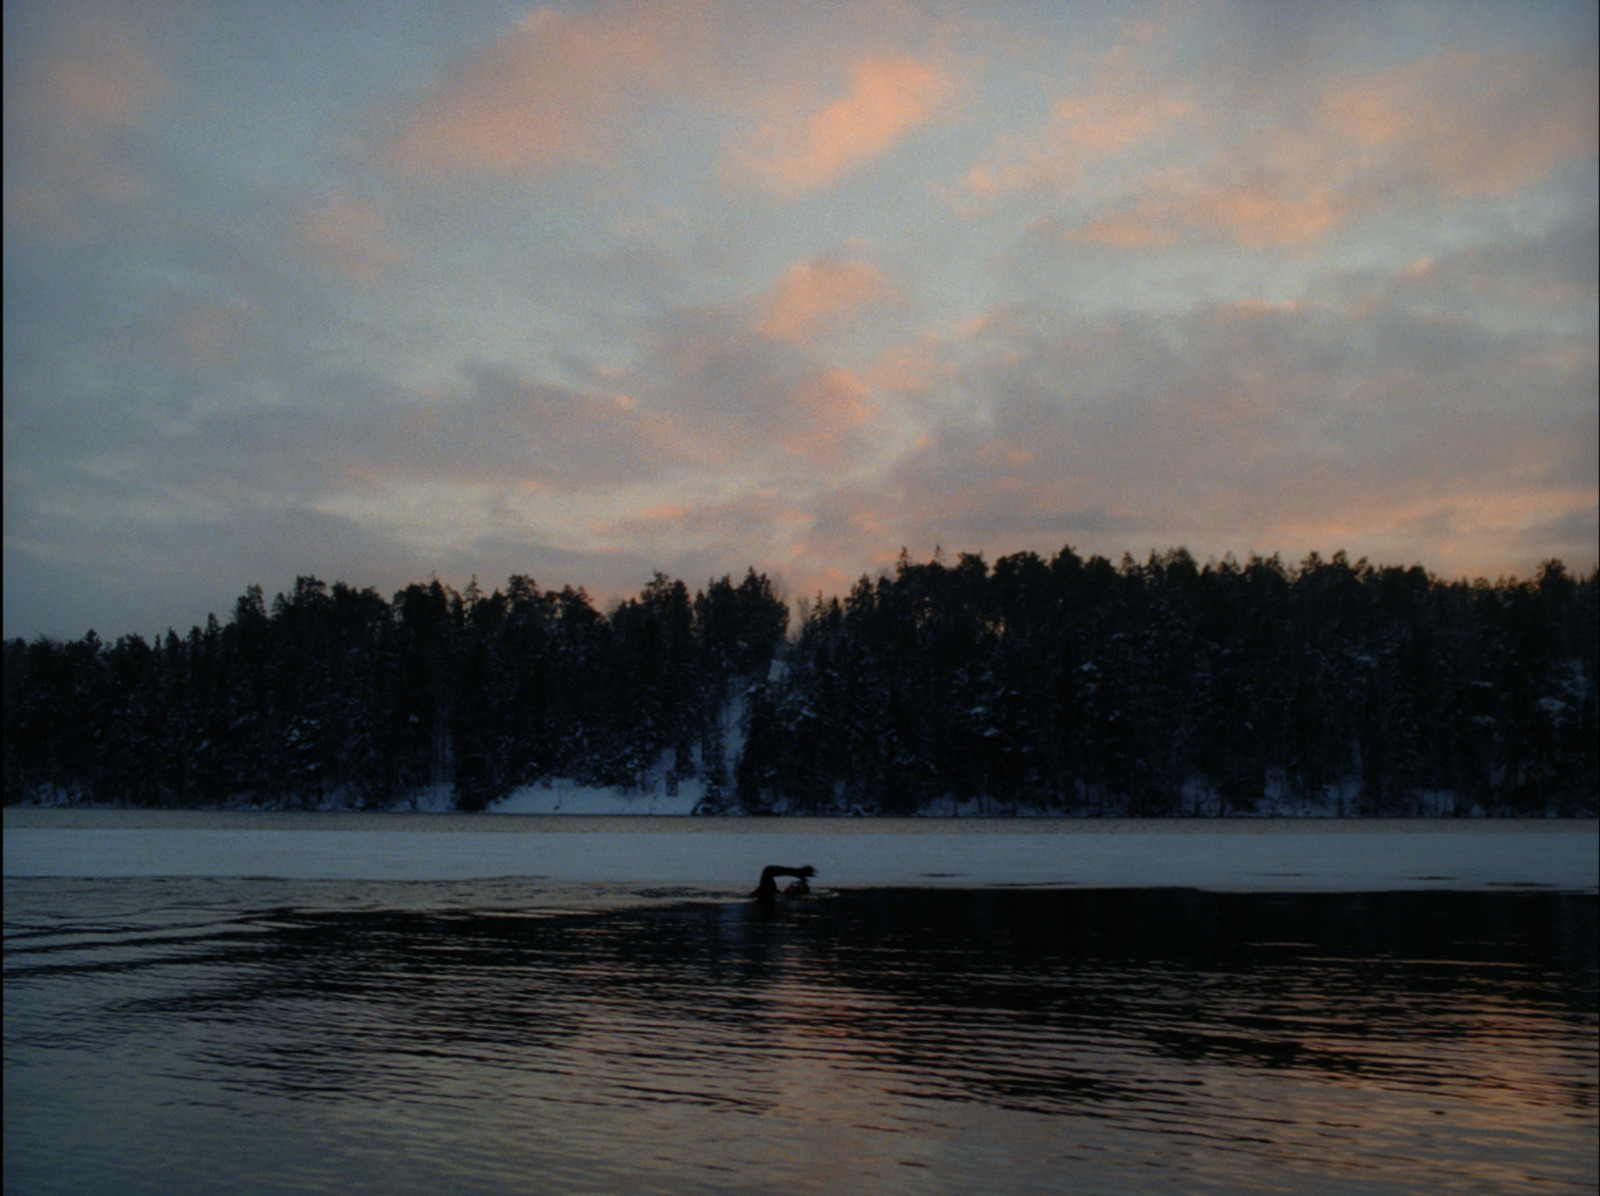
(198, 1035)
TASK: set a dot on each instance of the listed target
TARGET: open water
(514, 1035)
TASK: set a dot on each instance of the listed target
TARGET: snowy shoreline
(556, 822)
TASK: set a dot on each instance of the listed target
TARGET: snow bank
(728, 854)
(572, 798)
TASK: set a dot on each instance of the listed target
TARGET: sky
(380, 291)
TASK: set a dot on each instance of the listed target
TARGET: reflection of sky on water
(1404, 1041)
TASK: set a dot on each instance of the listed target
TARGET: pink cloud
(497, 431)
(1447, 126)
(1019, 164)
(94, 78)
(1266, 210)
(742, 401)
(1120, 114)
(830, 409)
(551, 92)
(911, 367)
(210, 333)
(349, 236)
(1136, 229)
(1256, 211)
(1469, 122)
(815, 295)
(887, 97)
(1286, 427)
(716, 523)
(1114, 123)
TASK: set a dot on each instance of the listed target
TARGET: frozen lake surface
(727, 853)
(366, 1003)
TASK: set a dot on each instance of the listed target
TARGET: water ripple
(290, 1033)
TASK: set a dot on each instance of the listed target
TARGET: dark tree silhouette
(1064, 684)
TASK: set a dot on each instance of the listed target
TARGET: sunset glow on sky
(378, 291)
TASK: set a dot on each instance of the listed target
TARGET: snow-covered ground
(728, 854)
(569, 798)
(656, 795)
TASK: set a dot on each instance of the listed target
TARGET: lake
(560, 1032)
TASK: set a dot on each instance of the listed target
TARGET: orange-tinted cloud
(1457, 124)
(1393, 432)
(1121, 113)
(1113, 123)
(1018, 164)
(1134, 229)
(1262, 210)
(553, 91)
(912, 367)
(742, 401)
(95, 78)
(1470, 122)
(497, 432)
(349, 236)
(745, 520)
(1265, 210)
(829, 409)
(210, 333)
(888, 96)
(1516, 280)
(816, 294)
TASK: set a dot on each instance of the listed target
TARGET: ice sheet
(729, 854)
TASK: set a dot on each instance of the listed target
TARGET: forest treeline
(1064, 684)
(339, 695)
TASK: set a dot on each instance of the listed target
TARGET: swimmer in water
(767, 891)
